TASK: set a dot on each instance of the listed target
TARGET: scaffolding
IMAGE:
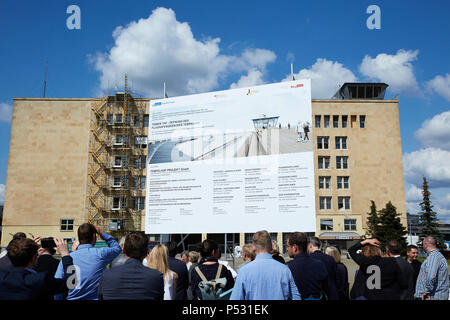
(117, 160)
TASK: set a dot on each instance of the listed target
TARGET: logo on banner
(297, 86)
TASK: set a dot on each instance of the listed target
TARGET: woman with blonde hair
(342, 284)
(158, 259)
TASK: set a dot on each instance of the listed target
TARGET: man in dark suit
(46, 262)
(132, 280)
(310, 275)
(180, 268)
(21, 282)
(393, 249)
(314, 251)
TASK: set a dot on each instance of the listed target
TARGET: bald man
(433, 282)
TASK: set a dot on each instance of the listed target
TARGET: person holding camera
(22, 282)
(90, 262)
(45, 261)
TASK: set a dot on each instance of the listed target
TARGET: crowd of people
(130, 270)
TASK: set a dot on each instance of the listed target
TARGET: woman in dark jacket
(378, 278)
(209, 266)
(341, 273)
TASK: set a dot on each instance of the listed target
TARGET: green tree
(428, 222)
(390, 226)
(373, 221)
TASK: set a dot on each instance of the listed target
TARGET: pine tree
(390, 226)
(428, 222)
(373, 221)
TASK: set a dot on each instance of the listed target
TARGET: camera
(48, 243)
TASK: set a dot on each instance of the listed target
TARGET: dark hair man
(90, 261)
(180, 268)
(314, 251)
(21, 282)
(132, 280)
(310, 275)
(412, 252)
(5, 263)
(393, 250)
(264, 278)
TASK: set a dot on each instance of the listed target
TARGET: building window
(335, 121)
(326, 224)
(140, 162)
(109, 118)
(344, 121)
(118, 141)
(140, 141)
(324, 162)
(137, 121)
(139, 182)
(362, 121)
(325, 203)
(116, 203)
(66, 225)
(324, 182)
(138, 203)
(117, 181)
(120, 162)
(146, 121)
(326, 121)
(341, 162)
(353, 121)
(344, 203)
(341, 142)
(317, 122)
(349, 224)
(342, 182)
(118, 118)
(322, 142)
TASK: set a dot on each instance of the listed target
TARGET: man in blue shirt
(264, 278)
(90, 262)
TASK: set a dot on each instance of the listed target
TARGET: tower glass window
(324, 162)
(325, 203)
(326, 224)
(335, 121)
(322, 142)
(342, 182)
(326, 121)
(317, 121)
(344, 121)
(324, 182)
(341, 162)
(349, 224)
(341, 142)
(344, 203)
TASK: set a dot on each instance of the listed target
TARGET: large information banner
(239, 160)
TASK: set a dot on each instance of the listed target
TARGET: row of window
(120, 203)
(117, 119)
(325, 203)
(121, 140)
(122, 162)
(340, 142)
(122, 182)
(341, 162)
(342, 182)
(342, 119)
(327, 224)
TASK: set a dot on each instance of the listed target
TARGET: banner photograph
(238, 160)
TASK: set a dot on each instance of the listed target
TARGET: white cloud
(6, 110)
(432, 163)
(2, 193)
(441, 85)
(435, 132)
(395, 70)
(161, 49)
(253, 78)
(326, 77)
(413, 194)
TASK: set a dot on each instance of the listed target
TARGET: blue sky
(238, 43)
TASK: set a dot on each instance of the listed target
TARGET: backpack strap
(219, 271)
(202, 276)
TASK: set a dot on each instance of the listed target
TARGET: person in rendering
(342, 285)
(299, 131)
(248, 255)
(305, 131)
(132, 280)
(21, 282)
(310, 275)
(158, 259)
(412, 252)
(264, 278)
(433, 281)
(179, 267)
(378, 278)
(209, 267)
(90, 261)
(393, 249)
(315, 252)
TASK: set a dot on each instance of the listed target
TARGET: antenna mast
(45, 77)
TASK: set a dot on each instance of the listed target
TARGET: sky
(200, 46)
